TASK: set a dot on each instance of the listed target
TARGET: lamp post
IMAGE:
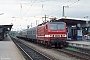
(63, 10)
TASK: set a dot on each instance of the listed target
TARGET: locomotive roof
(49, 22)
(56, 22)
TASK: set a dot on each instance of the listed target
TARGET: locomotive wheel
(55, 45)
(45, 44)
(48, 45)
(61, 46)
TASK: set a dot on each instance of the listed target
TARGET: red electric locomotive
(52, 34)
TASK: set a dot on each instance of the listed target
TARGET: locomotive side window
(46, 26)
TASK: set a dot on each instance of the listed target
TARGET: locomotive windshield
(55, 26)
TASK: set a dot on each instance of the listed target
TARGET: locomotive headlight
(47, 35)
(51, 35)
(64, 36)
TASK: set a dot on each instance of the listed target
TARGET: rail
(31, 53)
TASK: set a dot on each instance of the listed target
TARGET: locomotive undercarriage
(45, 43)
(58, 43)
(53, 43)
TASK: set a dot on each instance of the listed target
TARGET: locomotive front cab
(57, 33)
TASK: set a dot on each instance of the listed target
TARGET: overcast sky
(24, 12)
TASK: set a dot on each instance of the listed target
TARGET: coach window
(35, 32)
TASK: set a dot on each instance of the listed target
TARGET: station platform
(82, 44)
(9, 51)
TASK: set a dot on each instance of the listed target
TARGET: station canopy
(6, 27)
(72, 21)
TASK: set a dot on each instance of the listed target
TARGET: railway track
(79, 49)
(79, 55)
(30, 53)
